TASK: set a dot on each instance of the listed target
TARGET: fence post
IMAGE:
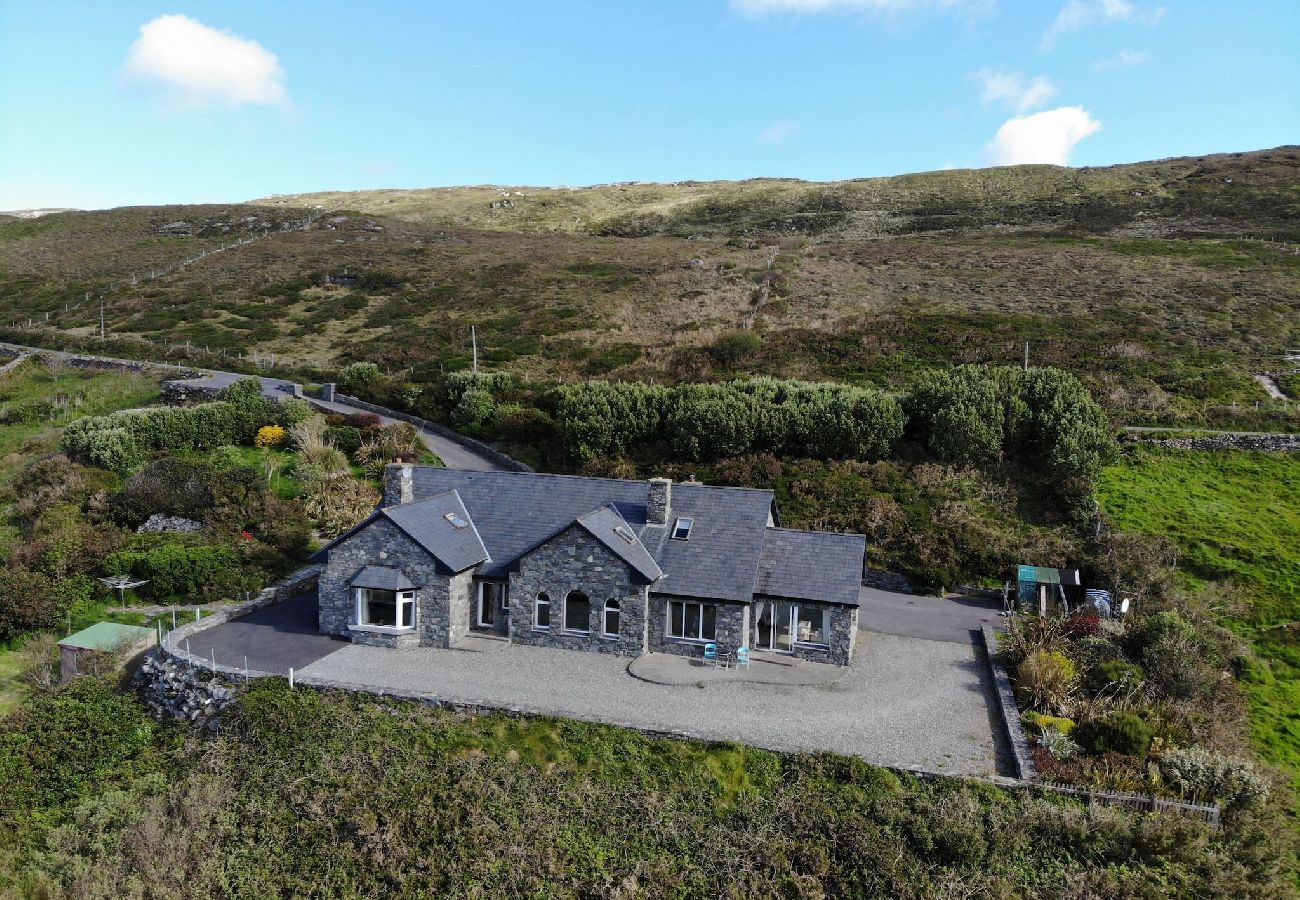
(214, 659)
(245, 668)
(291, 678)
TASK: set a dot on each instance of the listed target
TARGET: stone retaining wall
(887, 581)
(1280, 443)
(506, 462)
(1022, 762)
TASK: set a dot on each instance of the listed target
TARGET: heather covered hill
(1143, 279)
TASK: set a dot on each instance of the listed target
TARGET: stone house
(597, 564)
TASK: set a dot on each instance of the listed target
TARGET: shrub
(399, 440)
(337, 501)
(346, 437)
(475, 408)
(359, 378)
(171, 486)
(294, 411)
(1083, 625)
(1177, 666)
(496, 384)
(1042, 722)
(270, 436)
(1115, 673)
(1058, 743)
(1046, 678)
(730, 348)
(1202, 775)
(176, 569)
(1119, 732)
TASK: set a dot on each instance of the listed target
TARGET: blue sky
(105, 104)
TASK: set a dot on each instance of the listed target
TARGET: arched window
(577, 612)
(542, 611)
(612, 610)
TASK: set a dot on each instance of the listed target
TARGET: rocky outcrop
(173, 524)
(173, 690)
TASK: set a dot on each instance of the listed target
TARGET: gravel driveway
(906, 702)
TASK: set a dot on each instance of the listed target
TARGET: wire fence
(1208, 813)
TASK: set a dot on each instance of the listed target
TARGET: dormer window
(682, 528)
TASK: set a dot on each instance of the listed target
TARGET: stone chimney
(399, 485)
(659, 501)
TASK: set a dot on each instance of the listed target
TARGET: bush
(1083, 625)
(1046, 678)
(1115, 673)
(120, 440)
(294, 411)
(1041, 723)
(346, 437)
(177, 569)
(734, 346)
(359, 378)
(270, 436)
(1058, 743)
(1119, 732)
(171, 486)
(474, 410)
(1204, 776)
(336, 501)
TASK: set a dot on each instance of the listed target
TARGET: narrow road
(454, 455)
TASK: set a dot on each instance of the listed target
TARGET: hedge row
(712, 421)
(978, 414)
(122, 440)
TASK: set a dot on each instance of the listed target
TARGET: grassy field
(1235, 518)
(331, 795)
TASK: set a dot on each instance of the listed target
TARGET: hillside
(1136, 277)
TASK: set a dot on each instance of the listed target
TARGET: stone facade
(381, 543)
(575, 561)
(731, 627)
(843, 635)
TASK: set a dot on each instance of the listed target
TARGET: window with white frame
(385, 609)
(577, 612)
(682, 528)
(810, 625)
(542, 611)
(693, 621)
(611, 618)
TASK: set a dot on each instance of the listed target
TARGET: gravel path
(906, 702)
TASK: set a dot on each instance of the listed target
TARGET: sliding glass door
(772, 626)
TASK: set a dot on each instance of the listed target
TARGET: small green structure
(1046, 590)
(75, 650)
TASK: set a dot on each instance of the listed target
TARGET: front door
(487, 604)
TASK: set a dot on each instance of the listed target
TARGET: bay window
(385, 609)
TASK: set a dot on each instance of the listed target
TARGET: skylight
(455, 520)
(625, 533)
(682, 528)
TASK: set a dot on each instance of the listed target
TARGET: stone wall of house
(575, 561)
(843, 636)
(445, 609)
(732, 627)
(381, 543)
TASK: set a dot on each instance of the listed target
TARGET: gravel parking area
(906, 701)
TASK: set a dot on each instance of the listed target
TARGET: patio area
(763, 668)
(904, 702)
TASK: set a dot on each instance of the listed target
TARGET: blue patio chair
(711, 653)
(742, 657)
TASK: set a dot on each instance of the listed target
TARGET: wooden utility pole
(101, 317)
(473, 340)
(1026, 356)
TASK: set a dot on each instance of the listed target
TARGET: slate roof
(811, 565)
(514, 512)
(384, 578)
(608, 527)
(432, 524)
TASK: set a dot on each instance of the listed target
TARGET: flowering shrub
(1085, 625)
(269, 436)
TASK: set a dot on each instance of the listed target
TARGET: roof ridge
(641, 481)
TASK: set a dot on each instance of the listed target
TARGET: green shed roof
(107, 636)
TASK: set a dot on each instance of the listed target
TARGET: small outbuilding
(1046, 590)
(77, 651)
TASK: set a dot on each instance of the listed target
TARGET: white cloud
(1045, 137)
(779, 132)
(1015, 89)
(1124, 59)
(887, 7)
(1076, 15)
(201, 66)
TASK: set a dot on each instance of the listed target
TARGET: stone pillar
(327, 392)
(658, 505)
